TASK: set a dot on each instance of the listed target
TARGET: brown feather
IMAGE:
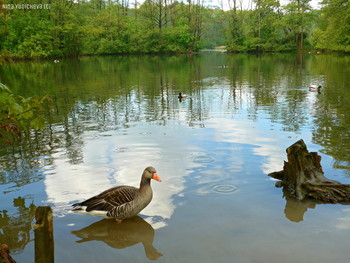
(109, 199)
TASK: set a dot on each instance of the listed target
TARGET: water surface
(213, 150)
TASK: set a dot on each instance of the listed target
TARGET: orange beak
(155, 177)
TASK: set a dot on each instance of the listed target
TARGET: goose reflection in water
(126, 234)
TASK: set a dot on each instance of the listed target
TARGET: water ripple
(225, 188)
(203, 159)
(122, 149)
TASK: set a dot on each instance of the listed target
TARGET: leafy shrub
(19, 114)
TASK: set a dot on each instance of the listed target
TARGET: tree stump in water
(5, 254)
(43, 230)
(303, 176)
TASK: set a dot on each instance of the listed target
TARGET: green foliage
(333, 32)
(70, 28)
(18, 114)
(178, 38)
(213, 30)
(270, 27)
(297, 26)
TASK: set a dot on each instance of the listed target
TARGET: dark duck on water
(182, 95)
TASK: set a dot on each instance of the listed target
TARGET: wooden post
(303, 176)
(43, 230)
(5, 254)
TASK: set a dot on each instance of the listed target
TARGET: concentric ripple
(203, 159)
(225, 188)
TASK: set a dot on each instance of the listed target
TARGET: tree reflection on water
(15, 230)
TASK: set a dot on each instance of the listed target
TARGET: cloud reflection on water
(240, 131)
(175, 153)
(105, 167)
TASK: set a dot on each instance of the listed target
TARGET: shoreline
(9, 59)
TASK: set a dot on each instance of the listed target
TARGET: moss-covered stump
(303, 176)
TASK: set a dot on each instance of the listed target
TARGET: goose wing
(109, 199)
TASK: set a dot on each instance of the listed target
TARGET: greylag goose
(120, 202)
(315, 88)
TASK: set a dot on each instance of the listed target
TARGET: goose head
(151, 173)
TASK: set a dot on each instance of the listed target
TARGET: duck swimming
(120, 202)
(315, 88)
(182, 95)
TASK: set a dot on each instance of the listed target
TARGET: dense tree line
(73, 27)
(294, 26)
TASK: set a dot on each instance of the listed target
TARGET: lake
(115, 115)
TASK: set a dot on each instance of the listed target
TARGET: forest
(58, 28)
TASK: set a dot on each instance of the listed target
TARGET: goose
(315, 88)
(182, 95)
(120, 202)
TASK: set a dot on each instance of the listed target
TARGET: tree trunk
(303, 176)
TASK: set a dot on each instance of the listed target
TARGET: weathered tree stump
(303, 177)
(43, 230)
(5, 256)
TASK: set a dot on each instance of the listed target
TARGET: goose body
(315, 88)
(120, 202)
